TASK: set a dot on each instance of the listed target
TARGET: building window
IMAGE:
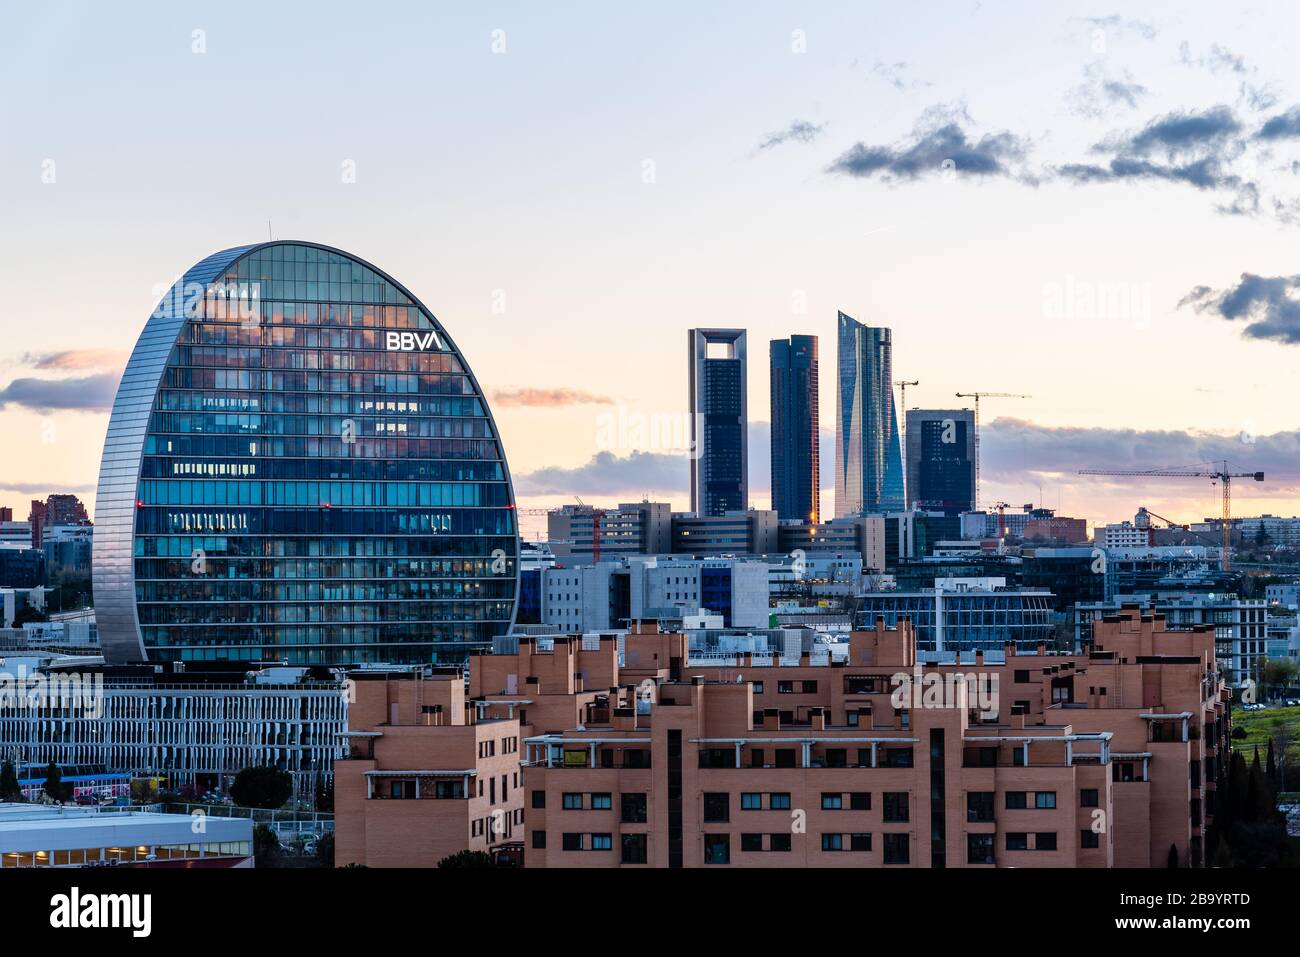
(785, 687)
(751, 801)
(602, 842)
(1017, 800)
(1089, 839)
(809, 687)
(571, 841)
(601, 801)
(979, 848)
(832, 842)
(758, 687)
(860, 801)
(751, 842)
(539, 840)
(785, 757)
(572, 801)
(1045, 800)
(979, 806)
(1018, 757)
(896, 849)
(1045, 841)
(859, 842)
(778, 842)
(896, 806)
(717, 807)
(717, 849)
(1022, 677)
(832, 802)
(634, 848)
(779, 801)
(634, 808)
(1088, 797)
(539, 799)
(1017, 841)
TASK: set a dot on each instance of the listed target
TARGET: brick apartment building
(1100, 760)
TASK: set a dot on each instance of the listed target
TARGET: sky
(1094, 205)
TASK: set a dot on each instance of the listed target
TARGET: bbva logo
(411, 341)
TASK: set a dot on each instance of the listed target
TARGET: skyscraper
(795, 420)
(868, 458)
(941, 460)
(719, 420)
(300, 467)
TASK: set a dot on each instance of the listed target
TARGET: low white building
(44, 835)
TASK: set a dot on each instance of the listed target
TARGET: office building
(966, 614)
(634, 528)
(750, 532)
(719, 408)
(197, 727)
(300, 467)
(941, 460)
(796, 456)
(585, 598)
(868, 458)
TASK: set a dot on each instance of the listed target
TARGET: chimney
(979, 658)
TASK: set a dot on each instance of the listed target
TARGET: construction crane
(977, 396)
(1220, 475)
(902, 430)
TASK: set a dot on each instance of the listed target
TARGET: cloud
(1283, 126)
(1100, 91)
(70, 360)
(44, 488)
(92, 393)
(1012, 448)
(799, 131)
(1219, 60)
(1195, 147)
(1267, 303)
(1119, 26)
(608, 474)
(1257, 97)
(939, 143)
(547, 398)
(893, 74)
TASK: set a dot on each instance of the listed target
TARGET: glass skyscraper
(300, 467)
(719, 404)
(940, 452)
(868, 456)
(796, 459)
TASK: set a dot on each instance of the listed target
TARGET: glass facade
(319, 481)
(796, 458)
(868, 453)
(719, 421)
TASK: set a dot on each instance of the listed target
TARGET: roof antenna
(268, 230)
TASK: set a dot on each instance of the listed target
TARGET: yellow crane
(1220, 475)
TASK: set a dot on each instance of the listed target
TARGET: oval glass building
(300, 467)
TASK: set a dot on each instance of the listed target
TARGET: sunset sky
(1098, 206)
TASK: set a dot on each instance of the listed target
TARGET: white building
(1121, 535)
(41, 835)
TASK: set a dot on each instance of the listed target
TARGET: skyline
(792, 184)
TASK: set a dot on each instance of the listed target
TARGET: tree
(1173, 856)
(325, 798)
(27, 613)
(325, 849)
(266, 847)
(262, 786)
(10, 789)
(471, 859)
(55, 789)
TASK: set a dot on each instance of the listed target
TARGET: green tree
(1173, 856)
(325, 849)
(325, 797)
(10, 789)
(27, 613)
(262, 786)
(55, 789)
